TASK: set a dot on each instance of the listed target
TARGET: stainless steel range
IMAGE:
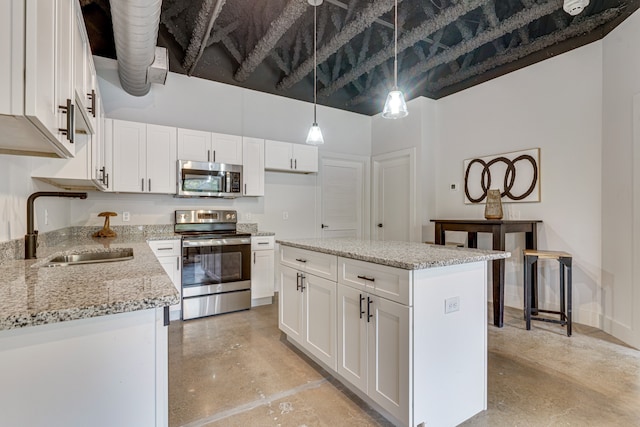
(216, 263)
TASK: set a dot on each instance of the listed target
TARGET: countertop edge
(399, 264)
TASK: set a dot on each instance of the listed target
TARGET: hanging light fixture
(315, 134)
(395, 107)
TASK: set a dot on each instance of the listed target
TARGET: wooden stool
(531, 256)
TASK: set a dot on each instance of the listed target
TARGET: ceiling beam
(587, 25)
(208, 14)
(289, 15)
(510, 24)
(346, 34)
(410, 38)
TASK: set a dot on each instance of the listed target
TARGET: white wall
(621, 182)
(15, 186)
(555, 105)
(195, 103)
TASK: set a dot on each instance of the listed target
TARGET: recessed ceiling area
(444, 46)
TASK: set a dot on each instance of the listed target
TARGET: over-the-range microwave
(208, 179)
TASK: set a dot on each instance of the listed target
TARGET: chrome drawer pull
(370, 279)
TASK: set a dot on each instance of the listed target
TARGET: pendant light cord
(395, 49)
(315, 65)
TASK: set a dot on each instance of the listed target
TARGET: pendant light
(315, 134)
(395, 107)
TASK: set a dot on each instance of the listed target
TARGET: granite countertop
(406, 255)
(31, 294)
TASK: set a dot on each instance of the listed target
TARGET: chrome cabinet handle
(165, 249)
(324, 226)
(208, 155)
(295, 163)
(254, 257)
(290, 163)
(107, 184)
(214, 156)
(245, 189)
(370, 279)
(302, 277)
(369, 315)
(298, 281)
(149, 184)
(142, 183)
(361, 310)
(263, 243)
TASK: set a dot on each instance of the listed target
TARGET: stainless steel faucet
(31, 238)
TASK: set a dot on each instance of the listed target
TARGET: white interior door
(394, 196)
(343, 197)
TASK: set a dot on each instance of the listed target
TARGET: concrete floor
(236, 370)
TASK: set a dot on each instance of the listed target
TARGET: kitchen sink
(91, 258)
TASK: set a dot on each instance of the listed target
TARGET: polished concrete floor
(236, 370)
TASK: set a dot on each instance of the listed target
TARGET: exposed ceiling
(444, 46)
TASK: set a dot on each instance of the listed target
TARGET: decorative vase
(493, 208)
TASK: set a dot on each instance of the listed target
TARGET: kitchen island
(85, 344)
(403, 325)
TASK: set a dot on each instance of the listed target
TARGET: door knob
(380, 225)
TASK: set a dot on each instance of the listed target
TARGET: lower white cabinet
(308, 313)
(396, 345)
(169, 256)
(374, 348)
(102, 372)
(262, 270)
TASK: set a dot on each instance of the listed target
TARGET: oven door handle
(217, 242)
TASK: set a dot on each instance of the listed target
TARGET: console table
(498, 228)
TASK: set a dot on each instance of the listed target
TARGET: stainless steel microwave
(207, 179)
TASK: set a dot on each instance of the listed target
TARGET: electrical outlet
(126, 216)
(451, 304)
(247, 216)
(285, 215)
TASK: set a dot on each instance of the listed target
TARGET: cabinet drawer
(381, 280)
(316, 263)
(165, 247)
(260, 243)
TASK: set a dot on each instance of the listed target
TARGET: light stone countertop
(406, 255)
(31, 294)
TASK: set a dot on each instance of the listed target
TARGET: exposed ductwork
(135, 30)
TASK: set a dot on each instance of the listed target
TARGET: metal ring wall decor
(508, 180)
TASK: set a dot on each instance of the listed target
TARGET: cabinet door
(262, 271)
(161, 159)
(47, 69)
(226, 148)
(352, 336)
(129, 156)
(290, 309)
(253, 166)
(305, 158)
(278, 155)
(108, 153)
(80, 49)
(389, 356)
(320, 332)
(194, 145)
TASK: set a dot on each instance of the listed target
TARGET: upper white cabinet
(284, 156)
(144, 158)
(39, 111)
(252, 166)
(204, 146)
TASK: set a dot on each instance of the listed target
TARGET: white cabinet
(204, 146)
(284, 156)
(84, 74)
(253, 166)
(262, 270)
(36, 92)
(169, 256)
(101, 371)
(374, 348)
(144, 158)
(85, 171)
(397, 346)
(308, 301)
(308, 313)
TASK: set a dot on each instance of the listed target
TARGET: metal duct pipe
(135, 30)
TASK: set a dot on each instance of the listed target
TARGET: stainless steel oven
(216, 263)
